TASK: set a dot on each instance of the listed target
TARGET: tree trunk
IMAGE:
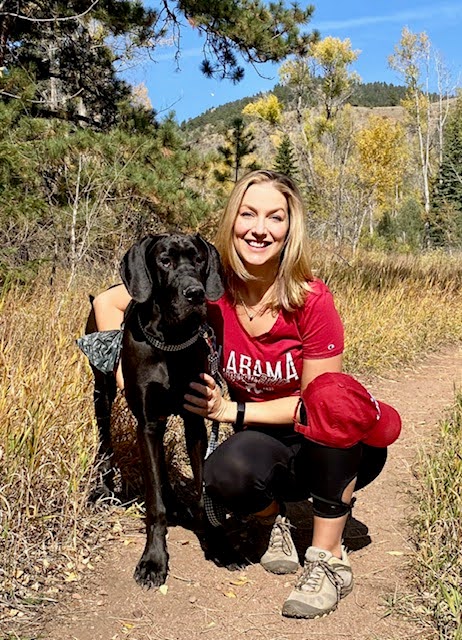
(424, 150)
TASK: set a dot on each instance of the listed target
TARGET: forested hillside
(371, 94)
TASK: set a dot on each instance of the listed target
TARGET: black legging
(251, 469)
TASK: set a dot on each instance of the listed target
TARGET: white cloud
(185, 53)
(436, 12)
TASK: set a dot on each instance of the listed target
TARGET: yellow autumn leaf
(71, 577)
(240, 581)
(163, 589)
(128, 625)
(230, 594)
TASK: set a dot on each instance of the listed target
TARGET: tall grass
(47, 438)
(395, 307)
(393, 310)
(438, 530)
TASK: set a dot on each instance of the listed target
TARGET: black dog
(166, 345)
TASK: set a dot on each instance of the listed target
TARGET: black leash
(215, 512)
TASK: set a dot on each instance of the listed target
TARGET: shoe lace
(280, 537)
(313, 572)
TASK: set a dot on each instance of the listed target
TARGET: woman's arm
(109, 307)
(211, 404)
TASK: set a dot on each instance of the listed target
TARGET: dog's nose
(194, 293)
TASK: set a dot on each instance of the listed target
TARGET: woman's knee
(239, 471)
(335, 473)
(372, 462)
(330, 474)
(229, 469)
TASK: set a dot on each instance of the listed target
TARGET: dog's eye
(165, 261)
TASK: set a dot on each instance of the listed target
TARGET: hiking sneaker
(281, 555)
(325, 579)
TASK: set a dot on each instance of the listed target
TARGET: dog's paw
(149, 574)
(219, 550)
(229, 559)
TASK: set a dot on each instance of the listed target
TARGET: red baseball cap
(337, 411)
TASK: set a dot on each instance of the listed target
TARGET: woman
(279, 330)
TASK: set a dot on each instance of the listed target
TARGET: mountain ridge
(368, 95)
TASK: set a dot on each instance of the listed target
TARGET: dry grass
(436, 564)
(48, 445)
(438, 529)
(394, 309)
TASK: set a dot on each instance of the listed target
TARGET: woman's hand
(208, 402)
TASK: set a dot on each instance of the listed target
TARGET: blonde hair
(294, 273)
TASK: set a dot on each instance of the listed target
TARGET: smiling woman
(279, 330)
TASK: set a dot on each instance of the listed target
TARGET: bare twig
(56, 19)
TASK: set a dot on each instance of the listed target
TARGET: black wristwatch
(239, 424)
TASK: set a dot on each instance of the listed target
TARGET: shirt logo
(256, 374)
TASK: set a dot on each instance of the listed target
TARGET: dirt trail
(204, 601)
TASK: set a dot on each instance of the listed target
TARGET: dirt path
(204, 601)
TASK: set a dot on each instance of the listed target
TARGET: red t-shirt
(269, 366)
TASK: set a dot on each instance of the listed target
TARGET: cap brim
(386, 430)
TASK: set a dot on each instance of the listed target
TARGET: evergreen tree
(448, 186)
(72, 196)
(255, 30)
(445, 222)
(285, 161)
(62, 49)
(239, 144)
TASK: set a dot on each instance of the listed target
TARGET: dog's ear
(134, 269)
(214, 287)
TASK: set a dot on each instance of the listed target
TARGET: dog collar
(162, 346)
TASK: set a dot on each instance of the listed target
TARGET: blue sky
(374, 27)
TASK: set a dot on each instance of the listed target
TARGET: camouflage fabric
(102, 348)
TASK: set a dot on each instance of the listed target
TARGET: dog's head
(178, 272)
